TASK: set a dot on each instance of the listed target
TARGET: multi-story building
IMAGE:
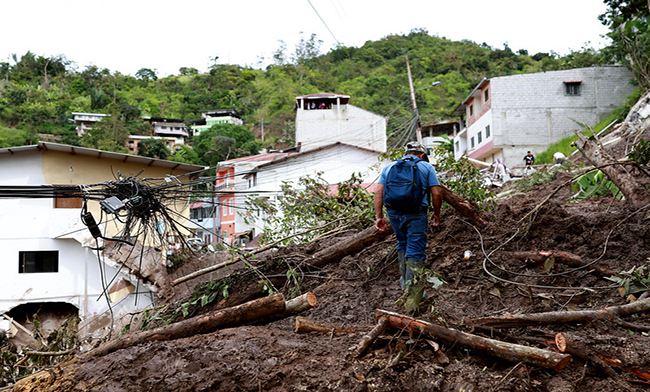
(51, 261)
(325, 118)
(214, 117)
(507, 116)
(85, 121)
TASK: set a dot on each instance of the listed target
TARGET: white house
(325, 118)
(337, 162)
(507, 116)
(85, 121)
(48, 260)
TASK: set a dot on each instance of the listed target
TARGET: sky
(125, 36)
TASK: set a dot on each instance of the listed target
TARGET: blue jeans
(411, 232)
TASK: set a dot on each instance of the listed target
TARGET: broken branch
(566, 258)
(369, 339)
(503, 350)
(304, 325)
(610, 313)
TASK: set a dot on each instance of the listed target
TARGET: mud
(274, 358)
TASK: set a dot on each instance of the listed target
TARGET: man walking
(406, 204)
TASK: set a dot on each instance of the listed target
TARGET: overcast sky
(128, 35)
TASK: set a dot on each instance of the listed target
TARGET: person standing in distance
(529, 160)
(409, 217)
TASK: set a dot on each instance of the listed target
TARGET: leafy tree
(153, 148)
(146, 74)
(185, 154)
(630, 34)
(225, 141)
(188, 71)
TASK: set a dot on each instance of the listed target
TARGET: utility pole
(416, 116)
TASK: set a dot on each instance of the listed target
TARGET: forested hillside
(38, 94)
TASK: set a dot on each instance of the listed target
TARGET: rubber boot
(401, 255)
(415, 290)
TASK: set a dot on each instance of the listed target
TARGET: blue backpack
(403, 188)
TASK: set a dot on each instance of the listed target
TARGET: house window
(480, 137)
(486, 95)
(224, 207)
(487, 131)
(572, 87)
(471, 110)
(471, 142)
(232, 206)
(38, 261)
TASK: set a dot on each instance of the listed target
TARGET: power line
(321, 19)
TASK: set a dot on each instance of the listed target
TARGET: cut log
(224, 318)
(292, 307)
(573, 346)
(369, 339)
(463, 206)
(635, 193)
(565, 258)
(612, 313)
(304, 325)
(508, 351)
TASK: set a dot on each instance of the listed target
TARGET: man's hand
(436, 220)
(380, 224)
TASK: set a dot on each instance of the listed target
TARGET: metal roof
(47, 146)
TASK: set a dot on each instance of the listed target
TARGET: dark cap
(415, 147)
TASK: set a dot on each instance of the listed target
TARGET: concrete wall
(342, 123)
(532, 111)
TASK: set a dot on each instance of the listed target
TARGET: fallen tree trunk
(634, 192)
(463, 206)
(612, 313)
(347, 246)
(292, 306)
(565, 258)
(229, 317)
(508, 351)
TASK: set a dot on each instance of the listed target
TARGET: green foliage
(461, 177)
(310, 209)
(633, 281)
(40, 90)
(223, 142)
(538, 177)
(153, 148)
(640, 152)
(594, 184)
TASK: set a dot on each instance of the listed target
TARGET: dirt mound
(604, 232)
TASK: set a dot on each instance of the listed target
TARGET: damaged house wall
(46, 249)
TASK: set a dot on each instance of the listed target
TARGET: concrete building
(169, 128)
(509, 115)
(49, 261)
(325, 118)
(85, 121)
(214, 117)
(334, 163)
(219, 219)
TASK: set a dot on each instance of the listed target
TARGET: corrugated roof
(47, 146)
